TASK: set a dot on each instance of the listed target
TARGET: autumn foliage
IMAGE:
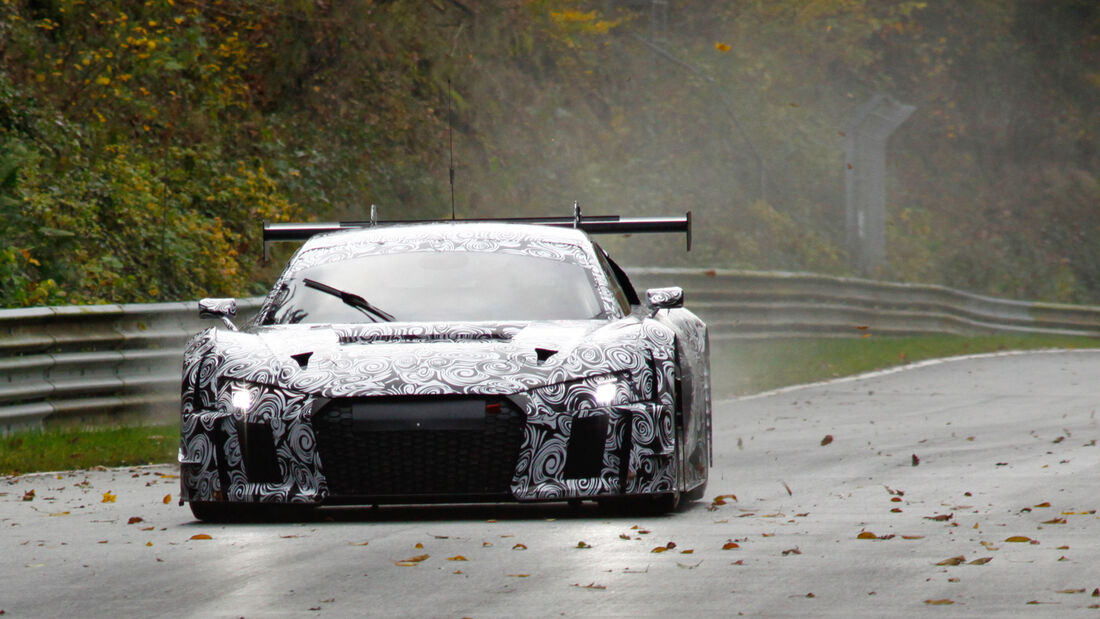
(143, 142)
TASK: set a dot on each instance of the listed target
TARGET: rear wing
(597, 224)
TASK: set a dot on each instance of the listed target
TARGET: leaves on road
(412, 561)
(828, 439)
(940, 602)
(108, 497)
(200, 536)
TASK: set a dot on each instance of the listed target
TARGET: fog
(739, 111)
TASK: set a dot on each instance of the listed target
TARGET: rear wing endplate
(597, 224)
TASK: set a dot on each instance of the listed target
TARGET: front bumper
(271, 453)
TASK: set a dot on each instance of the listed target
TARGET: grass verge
(64, 449)
(744, 367)
(740, 367)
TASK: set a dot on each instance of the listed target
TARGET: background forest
(143, 142)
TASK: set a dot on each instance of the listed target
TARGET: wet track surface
(905, 509)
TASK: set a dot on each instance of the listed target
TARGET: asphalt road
(938, 466)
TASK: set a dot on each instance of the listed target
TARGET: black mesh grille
(359, 461)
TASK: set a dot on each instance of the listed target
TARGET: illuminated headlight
(241, 399)
(606, 392)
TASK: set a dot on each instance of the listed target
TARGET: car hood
(430, 358)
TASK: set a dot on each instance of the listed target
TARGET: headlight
(587, 393)
(606, 392)
(241, 399)
(238, 397)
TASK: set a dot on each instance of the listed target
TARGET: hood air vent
(544, 353)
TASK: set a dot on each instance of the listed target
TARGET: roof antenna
(373, 215)
(451, 145)
(576, 214)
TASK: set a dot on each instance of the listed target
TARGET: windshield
(439, 286)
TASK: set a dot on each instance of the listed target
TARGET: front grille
(370, 449)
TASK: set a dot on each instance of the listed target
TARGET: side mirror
(664, 298)
(219, 308)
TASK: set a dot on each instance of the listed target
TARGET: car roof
(458, 231)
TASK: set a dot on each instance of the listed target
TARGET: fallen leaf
(148, 543)
(866, 535)
(1044, 504)
(519, 547)
(1018, 539)
(419, 546)
(519, 575)
(792, 551)
(147, 528)
(981, 561)
(28, 495)
(1055, 521)
(411, 561)
(688, 551)
(135, 520)
(828, 439)
(590, 585)
(1071, 591)
(167, 499)
(916, 460)
(895, 510)
(108, 497)
(953, 561)
(730, 545)
(358, 543)
(456, 558)
(940, 517)
(582, 544)
(60, 514)
(912, 537)
(198, 536)
(941, 602)
(722, 47)
(659, 549)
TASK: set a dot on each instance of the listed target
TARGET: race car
(448, 361)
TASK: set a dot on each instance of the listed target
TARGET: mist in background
(141, 144)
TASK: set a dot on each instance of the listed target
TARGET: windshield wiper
(350, 298)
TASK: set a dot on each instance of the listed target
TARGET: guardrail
(738, 304)
(122, 363)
